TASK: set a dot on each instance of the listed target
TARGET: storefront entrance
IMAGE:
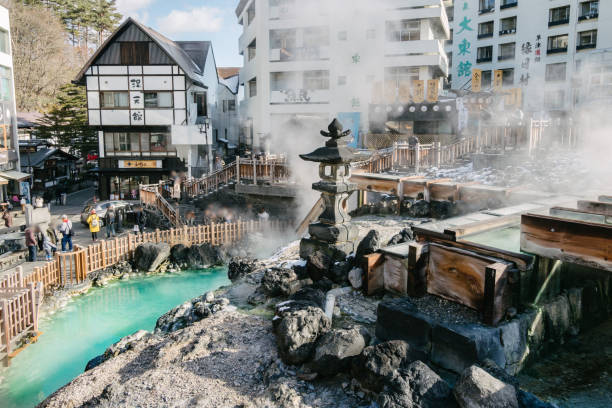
(126, 187)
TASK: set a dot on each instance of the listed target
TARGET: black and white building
(154, 103)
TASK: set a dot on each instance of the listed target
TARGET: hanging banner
(351, 120)
(476, 80)
(419, 91)
(404, 92)
(498, 80)
(432, 90)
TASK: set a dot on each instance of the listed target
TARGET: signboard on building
(419, 91)
(498, 80)
(140, 164)
(476, 80)
(432, 90)
(351, 120)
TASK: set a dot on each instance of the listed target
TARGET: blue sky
(212, 20)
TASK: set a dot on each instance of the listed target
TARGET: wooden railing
(151, 196)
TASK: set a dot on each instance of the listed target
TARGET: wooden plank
(395, 275)
(579, 242)
(458, 275)
(482, 226)
(373, 266)
(418, 258)
(580, 215)
(311, 217)
(497, 293)
(595, 207)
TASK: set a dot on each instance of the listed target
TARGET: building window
(253, 87)
(450, 40)
(4, 42)
(587, 39)
(558, 16)
(486, 79)
(554, 99)
(283, 39)
(315, 37)
(485, 54)
(252, 50)
(136, 144)
(370, 34)
(508, 26)
(508, 3)
(158, 100)
(231, 105)
(251, 13)
(114, 100)
(557, 44)
(201, 101)
(506, 51)
(485, 30)
(134, 53)
(342, 36)
(404, 30)
(486, 6)
(450, 13)
(508, 77)
(314, 80)
(341, 80)
(588, 10)
(6, 85)
(556, 72)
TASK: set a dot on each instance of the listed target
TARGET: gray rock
(377, 364)
(318, 265)
(528, 400)
(189, 312)
(238, 268)
(123, 345)
(405, 235)
(297, 332)
(416, 386)
(419, 209)
(148, 257)
(310, 296)
(368, 245)
(355, 277)
(335, 350)
(196, 256)
(339, 271)
(209, 296)
(278, 282)
(478, 389)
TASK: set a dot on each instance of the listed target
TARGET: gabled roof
(191, 62)
(232, 83)
(39, 157)
(227, 72)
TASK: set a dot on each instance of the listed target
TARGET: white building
(540, 45)
(151, 99)
(10, 176)
(307, 62)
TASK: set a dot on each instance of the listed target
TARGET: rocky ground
(288, 333)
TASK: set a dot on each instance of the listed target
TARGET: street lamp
(204, 130)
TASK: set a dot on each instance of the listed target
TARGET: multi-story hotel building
(310, 61)
(540, 46)
(157, 107)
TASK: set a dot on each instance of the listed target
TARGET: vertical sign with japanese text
(476, 80)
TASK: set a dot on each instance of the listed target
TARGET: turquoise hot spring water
(92, 322)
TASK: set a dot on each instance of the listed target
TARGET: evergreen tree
(66, 123)
(106, 19)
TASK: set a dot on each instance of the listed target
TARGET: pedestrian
(23, 203)
(109, 221)
(263, 215)
(15, 200)
(65, 229)
(190, 218)
(30, 241)
(94, 225)
(119, 223)
(39, 237)
(141, 219)
(48, 246)
(58, 196)
(8, 218)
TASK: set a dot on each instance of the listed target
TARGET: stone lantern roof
(336, 150)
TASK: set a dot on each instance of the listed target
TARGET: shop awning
(14, 175)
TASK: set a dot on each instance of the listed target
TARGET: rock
(528, 400)
(339, 271)
(190, 312)
(297, 332)
(355, 277)
(419, 209)
(405, 235)
(209, 296)
(368, 245)
(335, 350)
(557, 318)
(318, 265)
(478, 389)
(123, 345)
(310, 296)
(378, 363)
(416, 386)
(278, 282)
(196, 256)
(238, 268)
(148, 257)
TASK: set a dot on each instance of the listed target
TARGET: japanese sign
(432, 90)
(140, 164)
(498, 80)
(464, 51)
(476, 80)
(135, 83)
(136, 100)
(418, 87)
(137, 117)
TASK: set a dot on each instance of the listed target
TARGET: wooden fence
(151, 195)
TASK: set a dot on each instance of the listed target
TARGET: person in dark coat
(31, 243)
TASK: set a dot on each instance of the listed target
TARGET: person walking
(120, 221)
(30, 241)
(23, 203)
(109, 221)
(94, 225)
(8, 218)
(48, 247)
(141, 219)
(65, 229)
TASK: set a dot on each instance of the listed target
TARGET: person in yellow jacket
(94, 225)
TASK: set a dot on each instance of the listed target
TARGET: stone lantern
(332, 233)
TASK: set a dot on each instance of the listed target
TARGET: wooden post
(417, 158)
(5, 328)
(237, 169)
(254, 171)
(34, 308)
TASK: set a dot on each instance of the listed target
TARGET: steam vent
(333, 233)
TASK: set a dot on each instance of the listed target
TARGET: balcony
(556, 50)
(508, 31)
(299, 54)
(413, 47)
(485, 35)
(588, 16)
(505, 57)
(508, 5)
(432, 10)
(586, 46)
(484, 59)
(300, 96)
(558, 22)
(486, 10)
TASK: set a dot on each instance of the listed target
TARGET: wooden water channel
(21, 295)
